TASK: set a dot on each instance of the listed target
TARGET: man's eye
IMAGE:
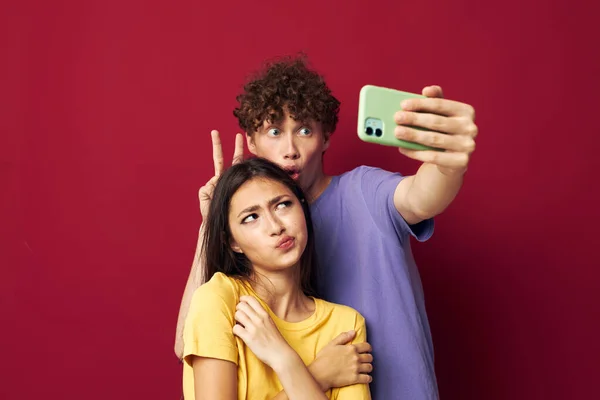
(273, 132)
(304, 131)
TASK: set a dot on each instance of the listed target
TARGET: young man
(364, 218)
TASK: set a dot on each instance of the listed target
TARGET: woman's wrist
(316, 371)
(286, 360)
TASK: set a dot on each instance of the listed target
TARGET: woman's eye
(284, 204)
(249, 218)
(304, 131)
(273, 132)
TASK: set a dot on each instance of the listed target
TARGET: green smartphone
(376, 109)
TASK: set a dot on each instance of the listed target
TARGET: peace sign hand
(205, 193)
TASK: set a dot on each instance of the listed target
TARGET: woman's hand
(258, 331)
(342, 364)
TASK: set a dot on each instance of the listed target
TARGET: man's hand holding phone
(448, 125)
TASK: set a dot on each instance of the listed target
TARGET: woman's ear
(235, 247)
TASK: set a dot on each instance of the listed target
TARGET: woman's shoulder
(342, 312)
(220, 280)
(220, 286)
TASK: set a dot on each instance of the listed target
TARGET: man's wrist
(452, 172)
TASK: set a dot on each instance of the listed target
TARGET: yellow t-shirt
(208, 333)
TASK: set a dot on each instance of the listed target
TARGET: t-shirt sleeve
(361, 329)
(208, 329)
(358, 391)
(378, 187)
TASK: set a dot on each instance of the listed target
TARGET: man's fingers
(343, 338)
(238, 152)
(365, 358)
(206, 191)
(461, 126)
(460, 143)
(217, 152)
(433, 122)
(445, 107)
(363, 348)
(433, 91)
(452, 160)
(212, 182)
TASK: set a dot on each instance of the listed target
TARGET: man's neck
(318, 187)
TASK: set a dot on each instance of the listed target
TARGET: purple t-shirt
(365, 262)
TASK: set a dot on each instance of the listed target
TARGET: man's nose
(291, 150)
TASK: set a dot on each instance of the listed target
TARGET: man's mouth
(293, 172)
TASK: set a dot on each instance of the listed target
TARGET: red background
(105, 118)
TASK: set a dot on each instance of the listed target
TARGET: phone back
(376, 109)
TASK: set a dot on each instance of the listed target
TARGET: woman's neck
(282, 293)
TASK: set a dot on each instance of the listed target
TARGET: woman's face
(267, 224)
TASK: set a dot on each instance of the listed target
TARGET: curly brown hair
(287, 83)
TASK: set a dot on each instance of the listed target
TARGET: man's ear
(326, 141)
(250, 143)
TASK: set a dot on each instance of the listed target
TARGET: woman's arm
(359, 391)
(210, 347)
(256, 328)
(296, 379)
(345, 361)
(214, 379)
(340, 364)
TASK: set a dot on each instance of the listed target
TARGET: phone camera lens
(369, 130)
(378, 132)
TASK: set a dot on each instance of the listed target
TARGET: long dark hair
(218, 255)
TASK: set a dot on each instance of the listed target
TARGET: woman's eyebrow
(255, 207)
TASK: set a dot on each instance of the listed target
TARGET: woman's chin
(285, 265)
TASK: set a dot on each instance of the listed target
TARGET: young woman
(256, 324)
